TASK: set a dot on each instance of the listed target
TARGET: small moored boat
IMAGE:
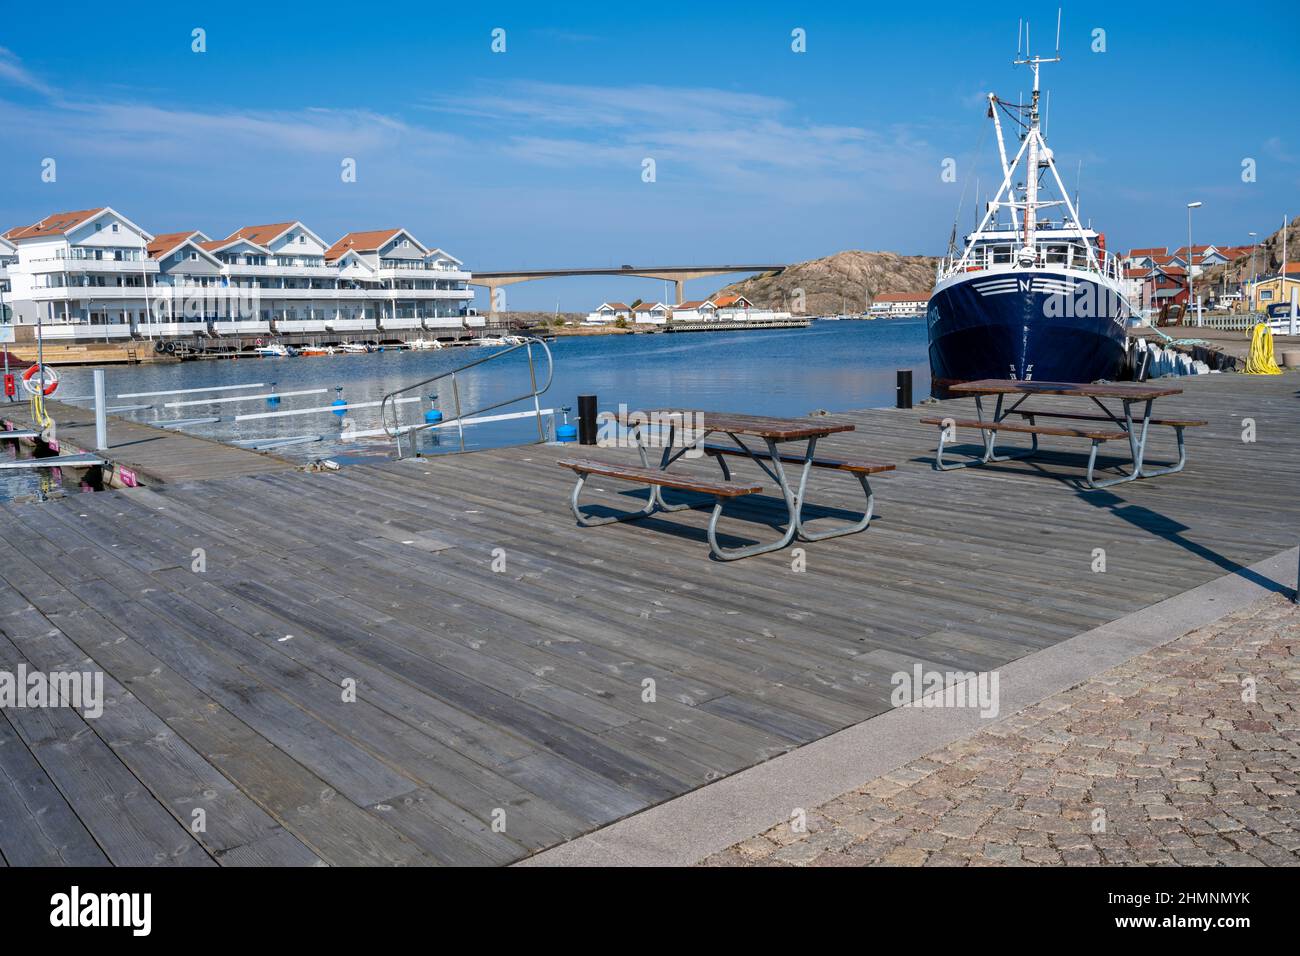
(274, 350)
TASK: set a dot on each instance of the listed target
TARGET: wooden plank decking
(499, 652)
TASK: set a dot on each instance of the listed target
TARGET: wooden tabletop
(759, 426)
(1134, 391)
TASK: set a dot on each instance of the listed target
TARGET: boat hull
(1050, 326)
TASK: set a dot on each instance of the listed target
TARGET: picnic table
(687, 431)
(1111, 425)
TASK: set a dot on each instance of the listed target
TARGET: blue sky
(533, 157)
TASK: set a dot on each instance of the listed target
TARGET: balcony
(236, 271)
(80, 266)
(96, 292)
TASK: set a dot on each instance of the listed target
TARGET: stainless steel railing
(397, 430)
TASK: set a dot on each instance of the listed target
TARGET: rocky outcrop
(846, 281)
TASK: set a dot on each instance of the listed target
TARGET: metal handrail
(398, 430)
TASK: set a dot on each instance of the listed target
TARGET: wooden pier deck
(499, 652)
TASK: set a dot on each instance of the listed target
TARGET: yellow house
(1273, 289)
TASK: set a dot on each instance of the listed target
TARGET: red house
(1165, 290)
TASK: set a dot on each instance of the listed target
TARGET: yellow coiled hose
(1261, 361)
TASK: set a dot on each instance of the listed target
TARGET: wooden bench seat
(1097, 424)
(1170, 422)
(1094, 434)
(655, 476)
(858, 467)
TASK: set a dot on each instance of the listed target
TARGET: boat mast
(1031, 177)
(1035, 140)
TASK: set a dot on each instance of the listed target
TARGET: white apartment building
(94, 275)
(8, 256)
(893, 305)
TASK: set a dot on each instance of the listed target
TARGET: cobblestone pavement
(1168, 759)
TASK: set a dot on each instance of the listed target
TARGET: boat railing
(396, 430)
(1070, 256)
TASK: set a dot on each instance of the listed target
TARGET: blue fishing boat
(1032, 293)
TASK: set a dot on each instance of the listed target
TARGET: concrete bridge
(676, 274)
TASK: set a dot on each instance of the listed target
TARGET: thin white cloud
(566, 105)
(152, 133)
(738, 140)
(13, 72)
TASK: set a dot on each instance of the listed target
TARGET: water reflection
(832, 366)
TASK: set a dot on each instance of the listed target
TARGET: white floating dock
(262, 444)
(191, 391)
(245, 398)
(57, 461)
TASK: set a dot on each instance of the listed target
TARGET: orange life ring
(49, 389)
(260, 343)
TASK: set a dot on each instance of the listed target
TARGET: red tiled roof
(212, 245)
(647, 306)
(616, 306)
(723, 301)
(360, 241)
(693, 304)
(902, 297)
(165, 243)
(1143, 253)
(59, 224)
(262, 234)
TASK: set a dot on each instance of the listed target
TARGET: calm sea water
(788, 372)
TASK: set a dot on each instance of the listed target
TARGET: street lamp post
(1190, 257)
(1254, 244)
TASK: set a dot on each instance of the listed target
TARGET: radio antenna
(1058, 31)
(1020, 31)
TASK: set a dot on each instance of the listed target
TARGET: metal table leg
(666, 459)
(586, 522)
(1172, 469)
(792, 499)
(988, 436)
(860, 525)
(1137, 444)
